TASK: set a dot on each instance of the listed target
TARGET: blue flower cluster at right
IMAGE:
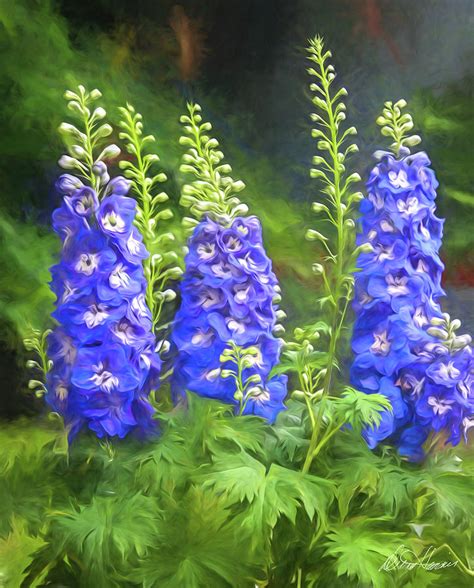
(397, 293)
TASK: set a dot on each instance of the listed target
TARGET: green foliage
(26, 254)
(108, 532)
(17, 551)
(216, 501)
(160, 268)
(357, 549)
(360, 410)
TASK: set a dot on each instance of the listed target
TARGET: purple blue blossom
(397, 293)
(227, 295)
(103, 349)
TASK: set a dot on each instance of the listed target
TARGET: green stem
(465, 569)
(337, 317)
(88, 147)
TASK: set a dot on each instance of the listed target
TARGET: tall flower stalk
(224, 329)
(103, 356)
(406, 348)
(161, 266)
(337, 210)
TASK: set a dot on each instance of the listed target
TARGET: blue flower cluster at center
(228, 293)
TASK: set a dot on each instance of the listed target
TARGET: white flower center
(125, 332)
(386, 226)
(212, 375)
(139, 306)
(119, 277)
(397, 286)
(67, 350)
(259, 394)
(398, 180)
(411, 206)
(365, 298)
(467, 424)
(241, 293)
(233, 244)
(381, 345)
(223, 270)
(104, 379)
(422, 267)
(113, 222)
(85, 204)
(95, 315)
(419, 318)
(87, 263)
(61, 391)
(448, 371)
(439, 406)
(425, 232)
(235, 326)
(209, 297)
(206, 250)
(242, 230)
(384, 253)
(68, 291)
(133, 245)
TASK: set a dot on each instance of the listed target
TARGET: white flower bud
(67, 162)
(110, 152)
(169, 295)
(318, 269)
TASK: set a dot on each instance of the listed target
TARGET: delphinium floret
(406, 347)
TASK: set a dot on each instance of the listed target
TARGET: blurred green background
(243, 61)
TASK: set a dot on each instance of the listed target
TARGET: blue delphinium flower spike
(405, 346)
(224, 330)
(103, 349)
(227, 295)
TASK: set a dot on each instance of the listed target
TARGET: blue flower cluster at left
(228, 291)
(103, 351)
(399, 351)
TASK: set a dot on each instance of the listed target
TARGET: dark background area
(244, 62)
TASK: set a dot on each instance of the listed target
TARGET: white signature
(398, 560)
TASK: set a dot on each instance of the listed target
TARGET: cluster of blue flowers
(228, 293)
(398, 353)
(103, 351)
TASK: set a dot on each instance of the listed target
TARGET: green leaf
(237, 477)
(358, 551)
(198, 547)
(283, 492)
(361, 410)
(109, 529)
(16, 553)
